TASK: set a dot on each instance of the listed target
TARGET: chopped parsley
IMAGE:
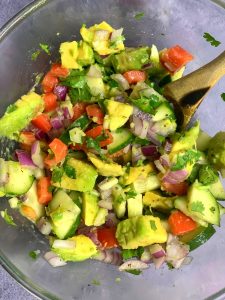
(118, 279)
(147, 104)
(93, 144)
(96, 282)
(117, 41)
(45, 48)
(131, 194)
(129, 253)
(57, 174)
(134, 272)
(153, 225)
(113, 83)
(139, 15)
(223, 96)
(198, 206)
(34, 254)
(8, 219)
(209, 38)
(11, 108)
(70, 171)
(190, 156)
(35, 55)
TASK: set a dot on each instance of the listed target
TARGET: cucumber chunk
(121, 138)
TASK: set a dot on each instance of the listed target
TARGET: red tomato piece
(175, 58)
(44, 195)
(180, 223)
(50, 101)
(95, 113)
(49, 82)
(27, 138)
(58, 71)
(107, 141)
(107, 237)
(134, 76)
(42, 122)
(79, 109)
(179, 189)
(94, 132)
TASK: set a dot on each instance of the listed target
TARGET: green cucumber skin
(113, 149)
(202, 237)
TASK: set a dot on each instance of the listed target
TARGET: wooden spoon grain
(188, 92)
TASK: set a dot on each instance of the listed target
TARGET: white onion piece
(159, 166)
(54, 260)
(106, 195)
(111, 220)
(123, 83)
(144, 131)
(137, 126)
(44, 226)
(132, 265)
(37, 155)
(107, 183)
(4, 174)
(105, 204)
(109, 257)
(127, 148)
(115, 34)
(146, 256)
(176, 252)
(94, 72)
(64, 244)
(158, 262)
(101, 35)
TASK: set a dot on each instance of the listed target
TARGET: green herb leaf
(223, 96)
(129, 253)
(140, 163)
(131, 194)
(80, 94)
(93, 144)
(139, 15)
(45, 48)
(70, 171)
(153, 225)
(117, 41)
(34, 254)
(134, 272)
(96, 282)
(147, 104)
(11, 108)
(198, 206)
(170, 266)
(190, 156)
(35, 55)
(209, 38)
(57, 174)
(113, 83)
(141, 142)
(8, 219)
(212, 209)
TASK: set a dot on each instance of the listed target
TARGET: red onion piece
(157, 251)
(141, 115)
(152, 136)
(111, 220)
(176, 252)
(144, 131)
(4, 174)
(165, 160)
(133, 265)
(158, 262)
(44, 226)
(54, 260)
(123, 83)
(90, 232)
(104, 56)
(137, 126)
(115, 34)
(109, 256)
(40, 135)
(24, 159)
(159, 166)
(37, 155)
(137, 154)
(174, 177)
(120, 98)
(66, 113)
(146, 256)
(168, 146)
(150, 150)
(60, 91)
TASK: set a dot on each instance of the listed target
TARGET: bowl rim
(10, 268)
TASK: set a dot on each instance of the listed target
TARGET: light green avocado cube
(135, 206)
(85, 54)
(90, 208)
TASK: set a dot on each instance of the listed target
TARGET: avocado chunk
(101, 216)
(216, 152)
(140, 231)
(137, 172)
(135, 206)
(118, 113)
(104, 168)
(64, 214)
(95, 82)
(85, 54)
(157, 201)
(84, 249)
(130, 59)
(90, 208)
(85, 177)
(100, 37)
(187, 139)
(202, 204)
(69, 54)
(24, 110)
(217, 190)
(119, 201)
(31, 208)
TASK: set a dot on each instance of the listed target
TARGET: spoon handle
(187, 93)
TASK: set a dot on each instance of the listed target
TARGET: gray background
(9, 288)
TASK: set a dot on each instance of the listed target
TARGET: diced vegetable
(44, 195)
(180, 223)
(42, 122)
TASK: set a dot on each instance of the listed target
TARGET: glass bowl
(165, 23)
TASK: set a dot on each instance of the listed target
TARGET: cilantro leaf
(139, 15)
(45, 48)
(131, 194)
(93, 144)
(129, 253)
(80, 94)
(153, 225)
(223, 96)
(134, 272)
(11, 108)
(209, 38)
(116, 41)
(34, 254)
(70, 171)
(57, 174)
(113, 83)
(198, 206)
(8, 219)
(190, 156)
(147, 104)
(35, 55)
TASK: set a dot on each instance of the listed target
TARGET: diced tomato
(78, 147)
(42, 122)
(78, 110)
(134, 76)
(59, 71)
(49, 82)
(94, 132)
(95, 113)
(175, 58)
(107, 141)
(44, 195)
(50, 101)
(180, 223)
(107, 237)
(27, 138)
(59, 150)
(179, 189)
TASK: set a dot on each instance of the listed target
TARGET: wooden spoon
(188, 92)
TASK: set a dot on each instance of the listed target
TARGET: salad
(101, 167)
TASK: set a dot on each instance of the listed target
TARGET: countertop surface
(9, 288)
